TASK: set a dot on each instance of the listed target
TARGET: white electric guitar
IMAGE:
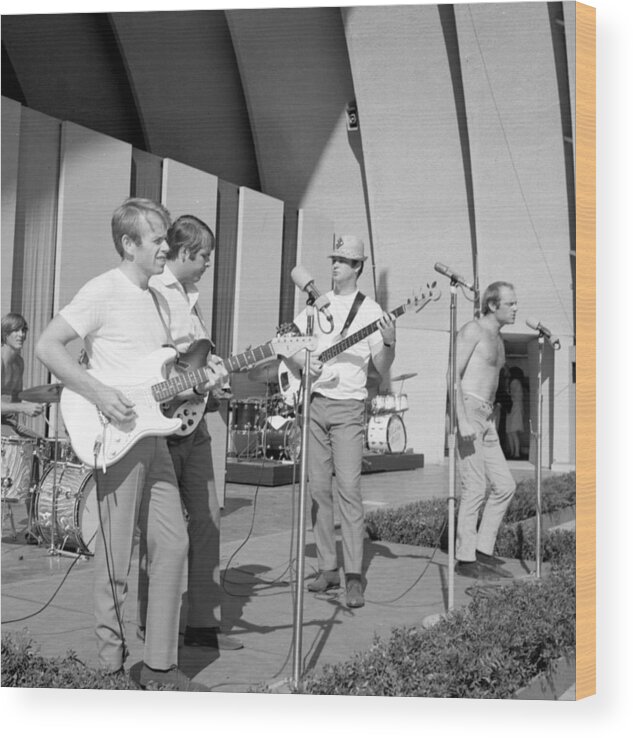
(290, 377)
(96, 440)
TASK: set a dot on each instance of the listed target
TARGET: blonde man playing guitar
(337, 421)
(116, 316)
(191, 243)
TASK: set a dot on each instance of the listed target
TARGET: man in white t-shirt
(116, 316)
(337, 410)
(191, 243)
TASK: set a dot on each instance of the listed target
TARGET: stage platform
(268, 473)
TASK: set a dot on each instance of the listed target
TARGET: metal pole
(52, 550)
(539, 453)
(303, 489)
(452, 437)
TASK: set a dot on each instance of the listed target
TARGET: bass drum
(386, 434)
(77, 515)
(282, 439)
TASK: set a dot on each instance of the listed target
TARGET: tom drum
(17, 466)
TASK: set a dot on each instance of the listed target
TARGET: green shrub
(424, 523)
(24, 666)
(492, 648)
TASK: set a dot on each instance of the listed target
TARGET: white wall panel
(11, 112)
(258, 275)
(94, 181)
(36, 227)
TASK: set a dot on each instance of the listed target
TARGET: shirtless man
(480, 355)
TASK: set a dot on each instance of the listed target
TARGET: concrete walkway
(405, 584)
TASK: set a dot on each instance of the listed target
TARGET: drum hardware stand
(301, 525)
(452, 437)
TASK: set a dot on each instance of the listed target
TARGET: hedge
(24, 666)
(423, 523)
(504, 638)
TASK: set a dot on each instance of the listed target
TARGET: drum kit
(268, 428)
(385, 432)
(264, 428)
(58, 490)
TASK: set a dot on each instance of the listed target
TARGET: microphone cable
(49, 601)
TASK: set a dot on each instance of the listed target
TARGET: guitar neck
(349, 341)
(182, 381)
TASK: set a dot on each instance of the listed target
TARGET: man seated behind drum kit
(17, 440)
(14, 333)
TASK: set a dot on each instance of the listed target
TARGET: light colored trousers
(193, 465)
(336, 446)
(480, 462)
(140, 489)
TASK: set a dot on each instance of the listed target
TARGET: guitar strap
(358, 301)
(170, 340)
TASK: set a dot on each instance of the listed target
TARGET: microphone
(447, 272)
(538, 326)
(305, 282)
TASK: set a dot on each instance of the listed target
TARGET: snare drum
(77, 516)
(245, 415)
(386, 434)
(282, 439)
(17, 466)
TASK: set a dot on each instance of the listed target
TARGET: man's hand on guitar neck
(219, 376)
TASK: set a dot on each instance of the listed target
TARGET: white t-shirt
(178, 305)
(117, 320)
(350, 365)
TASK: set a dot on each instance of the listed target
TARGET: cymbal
(42, 393)
(402, 377)
(265, 372)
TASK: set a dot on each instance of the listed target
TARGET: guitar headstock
(422, 299)
(290, 345)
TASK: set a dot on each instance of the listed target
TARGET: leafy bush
(504, 638)
(23, 666)
(424, 523)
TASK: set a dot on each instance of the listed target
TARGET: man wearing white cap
(337, 417)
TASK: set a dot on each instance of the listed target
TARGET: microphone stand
(452, 437)
(539, 452)
(306, 385)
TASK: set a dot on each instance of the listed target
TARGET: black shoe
(476, 570)
(326, 580)
(211, 638)
(488, 559)
(170, 679)
(354, 594)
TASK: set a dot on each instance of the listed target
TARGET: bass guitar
(148, 385)
(290, 377)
